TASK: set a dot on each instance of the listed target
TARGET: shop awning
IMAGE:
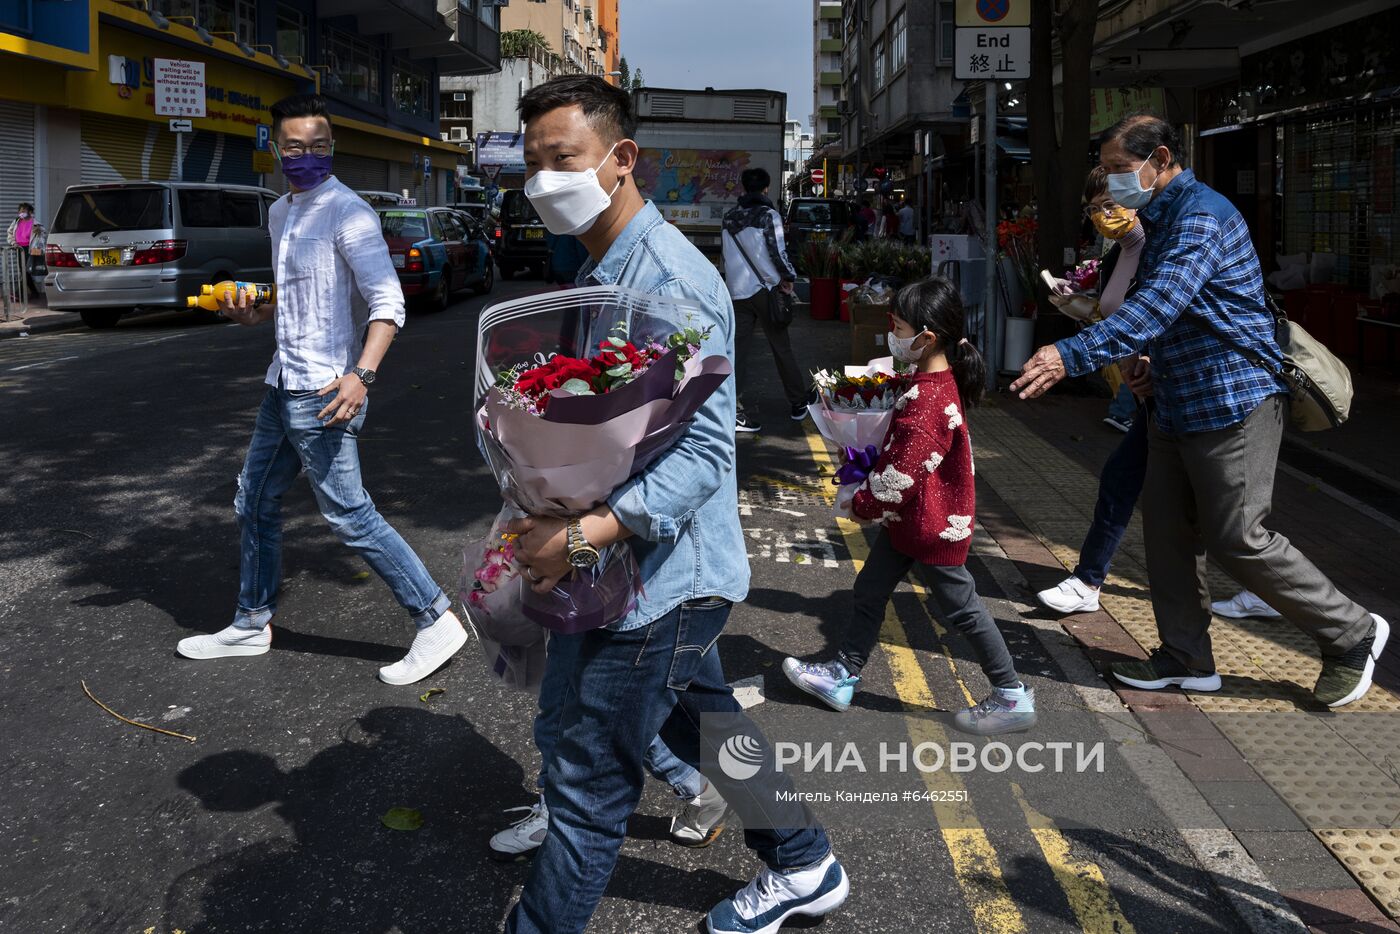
(1015, 149)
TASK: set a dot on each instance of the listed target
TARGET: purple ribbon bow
(858, 465)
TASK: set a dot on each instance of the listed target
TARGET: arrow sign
(181, 126)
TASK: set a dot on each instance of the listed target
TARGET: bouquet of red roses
(577, 392)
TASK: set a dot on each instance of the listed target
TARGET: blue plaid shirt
(1199, 279)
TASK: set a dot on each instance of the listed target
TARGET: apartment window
(898, 38)
(411, 90)
(454, 109)
(239, 17)
(947, 34)
(291, 32)
(833, 28)
(490, 14)
(877, 53)
(354, 65)
(833, 126)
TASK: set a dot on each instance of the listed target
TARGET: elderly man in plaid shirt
(1217, 423)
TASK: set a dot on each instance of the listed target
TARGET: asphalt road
(120, 451)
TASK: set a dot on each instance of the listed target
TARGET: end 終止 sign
(992, 54)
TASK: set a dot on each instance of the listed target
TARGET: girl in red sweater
(921, 492)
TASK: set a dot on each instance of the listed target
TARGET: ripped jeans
(288, 436)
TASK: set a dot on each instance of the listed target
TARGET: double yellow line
(975, 861)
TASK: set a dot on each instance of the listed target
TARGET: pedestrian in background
(907, 231)
(922, 492)
(338, 307)
(869, 220)
(760, 277)
(18, 238)
(566, 257)
(1216, 426)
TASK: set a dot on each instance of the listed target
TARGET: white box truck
(695, 145)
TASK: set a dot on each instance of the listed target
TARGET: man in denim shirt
(657, 670)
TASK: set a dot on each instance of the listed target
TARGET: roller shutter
(16, 155)
(115, 149)
(361, 173)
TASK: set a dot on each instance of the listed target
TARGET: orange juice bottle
(210, 297)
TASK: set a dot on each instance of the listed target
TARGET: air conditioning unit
(843, 107)
(459, 95)
(461, 134)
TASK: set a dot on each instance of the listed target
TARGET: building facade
(79, 102)
(797, 149)
(900, 103)
(826, 71)
(575, 30)
(474, 104)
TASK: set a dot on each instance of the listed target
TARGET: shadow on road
(340, 869)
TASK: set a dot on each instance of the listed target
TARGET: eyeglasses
(1108, 210)
(293, 150)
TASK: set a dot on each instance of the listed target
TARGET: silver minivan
(116, 247)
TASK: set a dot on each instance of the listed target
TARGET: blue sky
(722, 44)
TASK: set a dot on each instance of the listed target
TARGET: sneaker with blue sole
(1006, 710)
(771, 898)
(829, 682)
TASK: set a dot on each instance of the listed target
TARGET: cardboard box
(869, 325)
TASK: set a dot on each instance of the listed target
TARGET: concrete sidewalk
(1312, 794)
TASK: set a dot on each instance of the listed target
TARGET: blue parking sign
(264, 134)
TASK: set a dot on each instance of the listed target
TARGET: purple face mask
(307, 170)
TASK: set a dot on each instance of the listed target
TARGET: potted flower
(1017, 242)
(855, 269)
(820, 261)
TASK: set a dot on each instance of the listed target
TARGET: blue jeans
(1124, 406)
(1119, 487)
(287, 437)
(660, 761)
(624, 688)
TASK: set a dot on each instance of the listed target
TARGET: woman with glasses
(1123, 474)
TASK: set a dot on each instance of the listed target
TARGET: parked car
(520, 240)
(435, 254)
(116, 247)
(817, 219)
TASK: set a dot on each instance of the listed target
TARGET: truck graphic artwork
(680, 180)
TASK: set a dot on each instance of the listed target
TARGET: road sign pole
(989, 304)
(179, 157)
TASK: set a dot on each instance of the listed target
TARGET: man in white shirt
(906, 222)
(756, 270)
(337, 308)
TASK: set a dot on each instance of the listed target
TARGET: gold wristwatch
(582, 555)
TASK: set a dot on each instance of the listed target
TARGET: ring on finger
(530, 573)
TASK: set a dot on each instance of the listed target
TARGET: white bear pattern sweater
(922, 489)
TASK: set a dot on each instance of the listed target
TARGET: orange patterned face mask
(1114, 225)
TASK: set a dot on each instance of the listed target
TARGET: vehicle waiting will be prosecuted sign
(992, 53)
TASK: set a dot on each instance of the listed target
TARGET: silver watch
(366, 376)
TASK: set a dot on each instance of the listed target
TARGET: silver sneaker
(229, 642)
(521, 839)
(1002, 712)
(701, 819)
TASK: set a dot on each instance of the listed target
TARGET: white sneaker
(700, 821)
(521, 839)
(1244, 605)
(431, 649)
(761, 906)
(227, 643)
(1070, 595)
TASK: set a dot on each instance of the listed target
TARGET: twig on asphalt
(144, 726)
(91, 538)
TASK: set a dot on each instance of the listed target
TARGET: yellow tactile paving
(1267, 665)
(1334, 769)
(1373, 856)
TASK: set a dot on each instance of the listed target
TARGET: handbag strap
(1250, 354)
(748, 259)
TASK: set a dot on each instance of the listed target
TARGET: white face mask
(902, 348)
(570, 202)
